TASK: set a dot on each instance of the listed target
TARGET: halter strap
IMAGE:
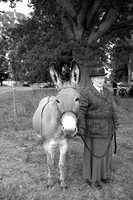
(77, 116)
(67, 87)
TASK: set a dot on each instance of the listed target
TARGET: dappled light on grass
(23, 172)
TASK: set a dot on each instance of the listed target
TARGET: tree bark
(85, 79)
(85, 67)
(130, 68)
(130, 63)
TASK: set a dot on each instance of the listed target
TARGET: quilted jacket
(97, 113)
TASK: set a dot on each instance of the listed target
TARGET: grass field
(23, 171)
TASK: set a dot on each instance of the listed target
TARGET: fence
(18, 105)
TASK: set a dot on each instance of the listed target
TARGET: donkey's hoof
(63, 185)
(50, 183)
(64, 189)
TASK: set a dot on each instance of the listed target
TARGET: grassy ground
(23, 171)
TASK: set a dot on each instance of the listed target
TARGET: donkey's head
(67, 100)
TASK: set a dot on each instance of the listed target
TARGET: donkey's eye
(77, 99)
(58, 101)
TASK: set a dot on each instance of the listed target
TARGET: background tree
(3, 77)
(4, 74)
(8, 20)
(36, 43)
(130, 62)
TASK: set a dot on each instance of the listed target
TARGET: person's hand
(81, 132)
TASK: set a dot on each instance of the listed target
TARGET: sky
(21, 7)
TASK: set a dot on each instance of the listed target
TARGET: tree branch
(109, 17)
(120, 28)
(73, 21)
(69, 16)
(82, 14)
(68, 23)
(80, 21)
(68, 7)
(130, 40)
(92, 11)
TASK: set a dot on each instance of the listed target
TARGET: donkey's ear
(75, 73)
(54, 75)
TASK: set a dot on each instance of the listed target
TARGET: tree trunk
(85, 79)
(130, 63)
(85, 66)
(130, 67)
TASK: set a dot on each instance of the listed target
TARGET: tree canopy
(94, 30)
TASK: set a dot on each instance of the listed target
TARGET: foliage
(4, 73)
(89, 29)
(3, 76)
(121, 53)
(38, 45)
(7, 20)
(5, 24)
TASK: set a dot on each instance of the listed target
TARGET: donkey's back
(38, 115)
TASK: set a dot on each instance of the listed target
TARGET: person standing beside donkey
(98, 123)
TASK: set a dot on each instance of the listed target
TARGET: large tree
(94, 19)
(86, 18)
(90, 25)
(36, 42)
(6, 21)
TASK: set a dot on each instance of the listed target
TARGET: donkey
(55, 119)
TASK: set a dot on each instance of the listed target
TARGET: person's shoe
(107, 180)
(88, 182)
(98, 185)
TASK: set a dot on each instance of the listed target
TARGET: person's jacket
(97, 114)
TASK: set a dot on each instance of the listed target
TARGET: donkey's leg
(50, 162)
(63, 146)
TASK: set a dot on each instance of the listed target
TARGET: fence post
(14, 102)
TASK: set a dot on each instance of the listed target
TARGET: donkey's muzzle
(69, 133)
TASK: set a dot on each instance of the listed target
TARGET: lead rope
(93, 153)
